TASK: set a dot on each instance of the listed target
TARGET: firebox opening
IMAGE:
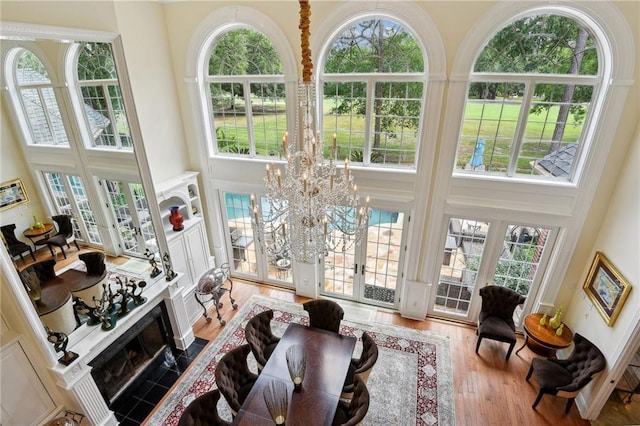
(122, 362)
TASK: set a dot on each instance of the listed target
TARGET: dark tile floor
(140, 398)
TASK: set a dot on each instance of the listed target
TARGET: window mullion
(368, 132)
(249, 117)
(523, 116)
(112, 115)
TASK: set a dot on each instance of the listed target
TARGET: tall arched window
(103, 104)
(373, 82)
(246, 89)
(529, 99)
(44, 125)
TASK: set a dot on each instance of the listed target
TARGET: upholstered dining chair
(324, 314)
(496, 315)
(567, 377)
(260, 338)
(233, 377)
(361, 366)
(64, 235)
(203, 411)
(15, 247)
(353, 412)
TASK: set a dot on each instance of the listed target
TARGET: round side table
(542, 339)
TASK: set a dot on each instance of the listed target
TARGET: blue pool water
(238, 206)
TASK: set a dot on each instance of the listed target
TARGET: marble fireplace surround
(88, 342)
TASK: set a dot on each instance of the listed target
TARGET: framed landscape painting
(12, 194)
(606, 288)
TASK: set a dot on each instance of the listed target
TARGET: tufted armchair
(496, 315)
(15, 247)
(260, 338)
(203, 411)
(361, 366)
(233, 377)
(64, 235)
(353, 412)
(324, 314)
(567, 377)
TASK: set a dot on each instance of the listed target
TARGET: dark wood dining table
(327, 354)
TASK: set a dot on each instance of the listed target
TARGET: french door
(477, 252)
(247, 259)
(372, 272)
(70, 197)
(132, 219)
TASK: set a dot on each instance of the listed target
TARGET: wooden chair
(324, 314)
(496, 315)
(260, 338)
(64, 235)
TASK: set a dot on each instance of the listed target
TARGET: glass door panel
(240, 232)
(463, 250)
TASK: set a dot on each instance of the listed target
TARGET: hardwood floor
(488, 389)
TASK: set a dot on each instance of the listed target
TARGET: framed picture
(606, 288)
(12, 194)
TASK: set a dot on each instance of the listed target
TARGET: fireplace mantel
(89, 341)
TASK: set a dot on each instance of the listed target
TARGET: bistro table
(542, 339)
(39, 236)
(328, 355)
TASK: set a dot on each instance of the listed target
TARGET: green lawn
(495, 122)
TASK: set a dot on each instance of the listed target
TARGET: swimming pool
(237, 206)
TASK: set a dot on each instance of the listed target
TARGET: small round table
(34, 234)
(542, 339)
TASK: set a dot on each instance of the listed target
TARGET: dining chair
(361, 366)
(260, 338)
(64, 235)
(233, 377)
(353, 412)
(566, 377)
(15, 247)
(203, 411)
(496, 315)
(324, 314)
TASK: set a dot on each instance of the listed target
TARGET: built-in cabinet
(189, 248)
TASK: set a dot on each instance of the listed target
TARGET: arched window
(246, 89)
(103, 104)
(530, 98)
(44, 125)
(373, 81)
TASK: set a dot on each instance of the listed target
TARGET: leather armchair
(203, 411)
(233, 377)
(260, 338)
(324, 314)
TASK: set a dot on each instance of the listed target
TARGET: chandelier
(311, 206)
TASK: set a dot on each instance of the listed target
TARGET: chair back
(233, 377)
(8, 232)
(368, 358)
(94, 262)
(359, 404)
(260, 337)
(64, 225)
(203, 411)
(498, 301)
(324, 314)
(585, 361)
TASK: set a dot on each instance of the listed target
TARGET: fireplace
(118, 365)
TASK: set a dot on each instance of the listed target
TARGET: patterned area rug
(411, 384)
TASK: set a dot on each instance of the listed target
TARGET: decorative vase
(557, 319)
(176, 218)
(543, 320)
(560, 330)
(36, 223)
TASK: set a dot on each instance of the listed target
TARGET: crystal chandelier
(311, 206)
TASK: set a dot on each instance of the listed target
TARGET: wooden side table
(39, 236)
(542, 339)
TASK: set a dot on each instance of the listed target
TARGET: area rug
(411, 383)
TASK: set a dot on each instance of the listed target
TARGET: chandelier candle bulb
(279, 178)
(325, 222)
(268, 175)
(335, 144)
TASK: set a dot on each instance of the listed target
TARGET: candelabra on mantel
(311, 206)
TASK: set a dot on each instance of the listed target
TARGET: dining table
(328, 355)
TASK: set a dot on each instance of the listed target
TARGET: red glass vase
(176, 218)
